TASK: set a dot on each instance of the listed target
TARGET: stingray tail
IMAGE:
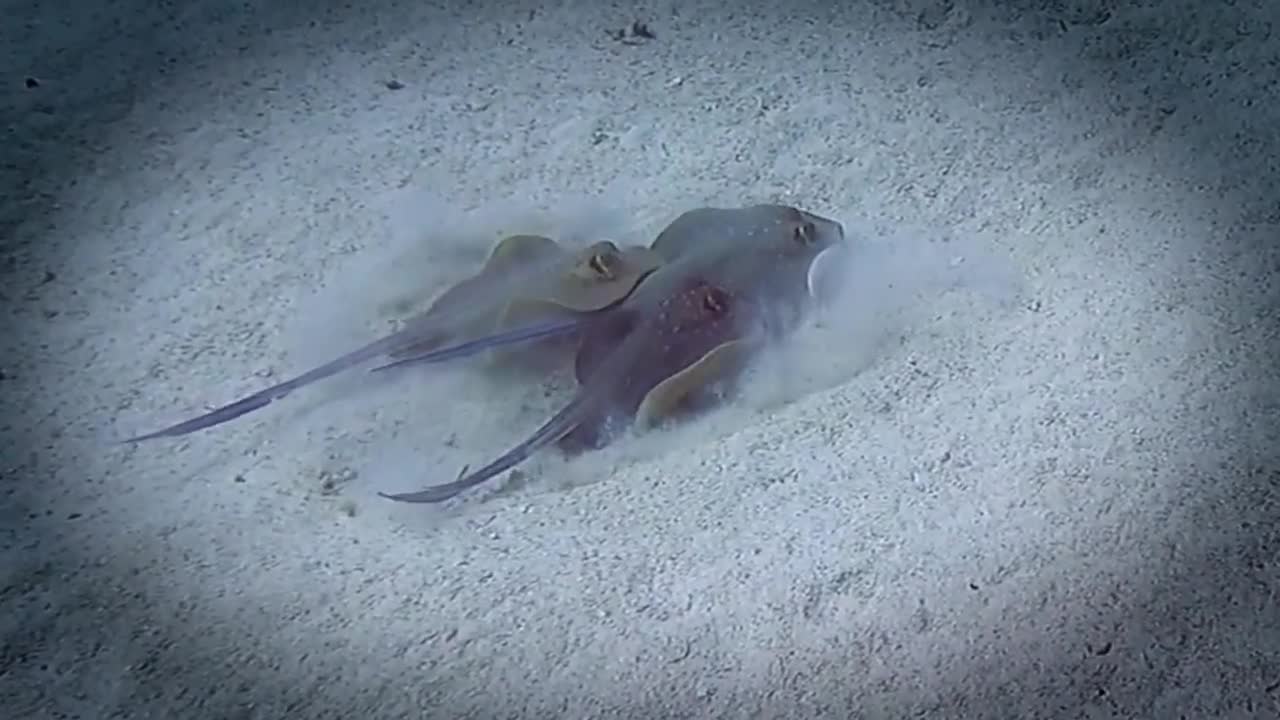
(266, 396)
(561, 424)
(528, 333)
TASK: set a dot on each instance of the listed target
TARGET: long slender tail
(540, 331)
(266, 396)
(557, 427)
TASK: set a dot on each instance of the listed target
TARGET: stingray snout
(830, 232)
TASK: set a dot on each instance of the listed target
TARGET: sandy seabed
(1027, 469)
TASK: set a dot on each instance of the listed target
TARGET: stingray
(527, 280)
(732, 280)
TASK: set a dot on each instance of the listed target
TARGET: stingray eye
(602, 264)
(805, 233)
(715, 301)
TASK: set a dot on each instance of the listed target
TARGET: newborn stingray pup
(730, 280)
(526, 279)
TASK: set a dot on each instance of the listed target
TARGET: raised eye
(602, 265)
(805, 233)
(715, 301)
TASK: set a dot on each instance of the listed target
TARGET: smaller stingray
(636, 368)
(527, 279)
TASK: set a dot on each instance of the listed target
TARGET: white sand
(1026, 474)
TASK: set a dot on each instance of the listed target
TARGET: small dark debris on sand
(637, 34)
